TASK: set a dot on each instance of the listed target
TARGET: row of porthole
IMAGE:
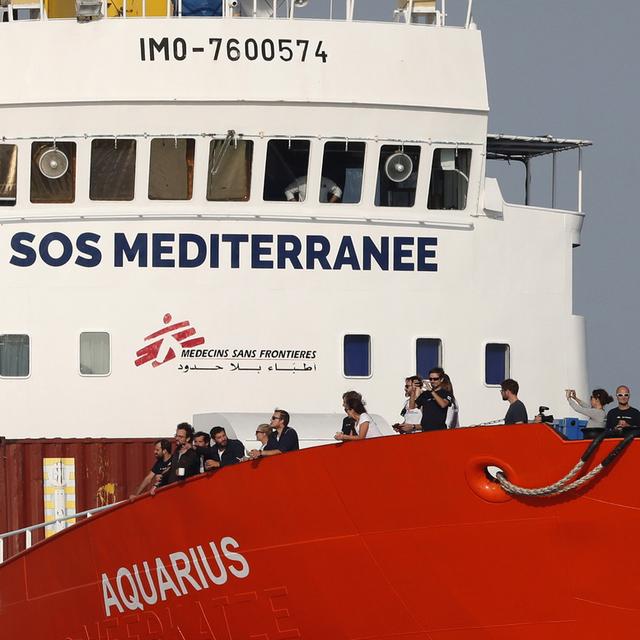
(95, 356)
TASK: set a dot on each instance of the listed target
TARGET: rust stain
(106, 494)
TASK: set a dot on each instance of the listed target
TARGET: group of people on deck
(430, 405)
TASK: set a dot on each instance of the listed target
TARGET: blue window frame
(428, 355)
(496, 363)
(357, 356)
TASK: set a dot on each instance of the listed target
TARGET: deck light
(87, 10)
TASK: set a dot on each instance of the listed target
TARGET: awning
(506, 147)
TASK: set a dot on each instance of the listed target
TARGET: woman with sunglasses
(594, 410)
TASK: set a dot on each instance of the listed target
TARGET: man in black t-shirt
(433, 401)
(284, 440)
(517, 412)
(225, 451)
(623, 415)
(185, 462)
(162, 452)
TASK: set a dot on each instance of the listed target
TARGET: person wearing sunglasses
(623, 415)
(284, 439)
(434, 401)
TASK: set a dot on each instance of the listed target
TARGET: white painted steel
(504, 270)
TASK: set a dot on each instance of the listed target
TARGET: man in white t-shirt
(329, 190)
(412, 417)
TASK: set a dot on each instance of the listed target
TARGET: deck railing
(430, 12)
(28, 531)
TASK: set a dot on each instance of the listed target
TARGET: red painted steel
(386, 538)
(107, 470)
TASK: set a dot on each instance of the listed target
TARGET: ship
(206, 216)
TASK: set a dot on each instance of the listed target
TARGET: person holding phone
(434, 401)
(594, 410)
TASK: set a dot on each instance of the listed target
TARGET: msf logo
(164, 342)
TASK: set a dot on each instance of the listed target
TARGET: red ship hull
(387, 538)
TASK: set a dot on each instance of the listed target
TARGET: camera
(543, 417)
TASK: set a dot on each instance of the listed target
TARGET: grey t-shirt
(517, 412)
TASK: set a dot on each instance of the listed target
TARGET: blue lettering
(122, 249)
(160, 249)
(289, 248)
(45, 249)
(424, 254)
(20, 246)
(87, 245)
(346, 255)
(214, 255)
(234, 239)
(319, 255)
(380, 255)
(257, 251)
(185, 240)
(399, 252)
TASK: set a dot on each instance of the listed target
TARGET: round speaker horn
(53, 163)
(398, 167)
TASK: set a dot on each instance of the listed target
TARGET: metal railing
(28, 531)
(409, 11)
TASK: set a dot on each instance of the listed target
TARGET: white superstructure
(151, 267)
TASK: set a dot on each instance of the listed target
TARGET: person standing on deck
(517, 412)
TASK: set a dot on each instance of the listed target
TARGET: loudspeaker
(398, 167)
(53, 163)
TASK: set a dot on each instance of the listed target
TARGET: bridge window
(342, 170)
(286, 170)
(171, 169)
(397, 176)
(95, 353)
(113, 169)
(357, 356)
(229, 177)
(497, 363)
(428, 355)
(449, 179)
(14, 355)
(8, 173)
(53, 172)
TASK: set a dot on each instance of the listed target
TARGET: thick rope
(567, 483)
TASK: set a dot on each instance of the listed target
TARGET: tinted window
(496, 363)
(14, 355)
(449, 179)
(342, 170)
(428, 355)
(229, 177)
(8, 174)
(95, 353)
(53, 172)
(397, 176)
(357, 356)
(113, 169)
(171, 168)
(286, 170)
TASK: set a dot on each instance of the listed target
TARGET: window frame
(20, 333)
(424, 157)
(73, 158)
(253, 168)
(194, 168)
(363, 186)
(12, 202)
(94, 375)
(415, 351)
(467, 147)
(342, 363)
(484, 362)
(136, 153)
(311, 184)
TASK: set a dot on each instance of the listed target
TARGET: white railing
(409, 11)
(28, 531)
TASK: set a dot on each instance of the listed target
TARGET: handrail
(230, 9)
(34, 527)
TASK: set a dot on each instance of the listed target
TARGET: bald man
(623, 415)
